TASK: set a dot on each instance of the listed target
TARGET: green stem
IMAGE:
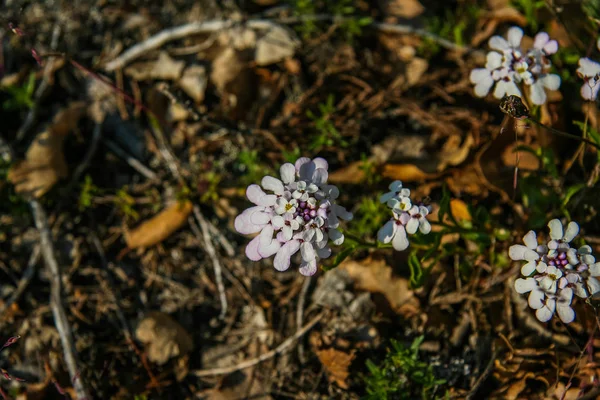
(563, 134)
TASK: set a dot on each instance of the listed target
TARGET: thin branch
(60, 316)
(212, 253)
(254, 361)
(300, 313)
(24, 281)
(133, 163)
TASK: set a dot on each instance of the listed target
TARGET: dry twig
(60, 316)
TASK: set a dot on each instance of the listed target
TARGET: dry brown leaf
(193, 82)
(406, 173)
(352, 173)
(459, 210)
(165, 338)
(160, 227)
(496, 17)
(44, 162)
(402, 8)
(454, 152)
(374, 275)
(336, 363)
(527, 161)
(165, 68)
(276, 45)
(415, 70)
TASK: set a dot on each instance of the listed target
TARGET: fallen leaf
(193, 82)
(44, 162)
(336, 363)
(454, 151)
(406, 173)
(160, 227)
(374, 275)
(415, 70)
(460, 210)
(164, 68)
(276, 45)
(165, 338)
(402, 8)
(352, 173)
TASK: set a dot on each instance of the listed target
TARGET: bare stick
(60, 316)
(254, 361)
(41, 89)
(212, 253)
(300, 313)
(133, 163)
(24, 281)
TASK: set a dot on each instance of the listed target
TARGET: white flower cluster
(407, 217)
(589, 71)
(509, 66)
(299, 215)
(555, 271)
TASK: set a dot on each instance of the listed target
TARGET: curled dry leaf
(165, 338)
(406, 173)
(459, 210)
(276, 45)
(160, 227)
(374, 275)
(336, 363)
(193, 82)
(44, 162)
(164, 68)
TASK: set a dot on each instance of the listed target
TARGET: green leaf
(444, 204)
(341, 256)
(570, 192)
(416, 270)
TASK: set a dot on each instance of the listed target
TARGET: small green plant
(370, 215)
(21, 97)
(210, 182)
(402, 375)
(369, 168)
(327, 134)
(125, 202)
(250, 164)
(529, 8)
(87, 193)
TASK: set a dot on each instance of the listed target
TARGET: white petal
(424, 226)
(535, 299)
(482, 88)
(571, 232)
(595, 269)
(283, 256)
(288, 173)
(325, 252)
(387, 231)
(565, 313)
(493, 60)
(528, 268)
(256, 195)
(400, 241)
(387, 197)
(272, 184)
(525, 285)
(498, 43)
(593, 285)
(243, 223)
(588, 67)
(537, 93)
(308, 269)
(412, 226)
(278, 222)
(260, 218)
(321, 163)
(540, 40)
(519, 252)
(556, 229)
(551, 47)
(589, 90)
(551, 81)
(545, 313)
(506, 88)
(515, 34)
(530, 240)
(307, 251)
(336, 236)
(252, 249)
(342, 212)
(300, 162)
(320, 176)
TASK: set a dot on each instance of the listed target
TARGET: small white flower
(531, 286)
(400, 205)
(418, 220)
(283, 206)
(396, 190)
(395, 232)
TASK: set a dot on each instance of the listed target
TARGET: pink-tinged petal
(493, 60)
(535, 299)
(288, 173)
(252, 249)
(325, 252)
(300, 162)
(482, 88)
(412, 226)
(272, 184)
(307, 170)
(565, 313)
(525, 285)
(541, 267)
(260, 218)
(256, 195)
(540, 40)
(595, 269)
(400, 241)
(387, 231)
(506, 88)
(243, 223)
(556, 229)
(528, 268)
(519, 252)
(307, 252)
(498, 43)
(320, 162)
(545, 313)
(424, 226)
(571, 232)
(320, 176)
(478, 75)
(530, 240)
(537, 93)
(551, 81)
(593, 285)
(283, 257)
(266, 245)
(514, 36)
(308, 269)
(278, 222)
(551, 47)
